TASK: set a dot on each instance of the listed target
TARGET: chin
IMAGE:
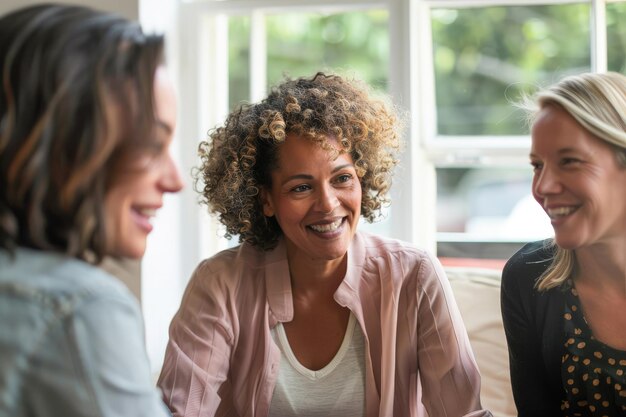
(135, 251)
(566, 243)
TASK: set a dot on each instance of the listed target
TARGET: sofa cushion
(477, 293)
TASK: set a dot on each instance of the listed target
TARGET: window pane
(484, 58)
(489, 204)
(238, 60)
(355, 43)
(616, 36)
(300, 44)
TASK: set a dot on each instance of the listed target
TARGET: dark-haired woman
(87, 114)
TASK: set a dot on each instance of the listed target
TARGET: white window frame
(204, 83)
(190, 235)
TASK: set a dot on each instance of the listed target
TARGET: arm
(529, 380)
(197, 357)
(93, 362)
(448, 371)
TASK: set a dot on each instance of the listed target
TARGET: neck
(603, 265)
(317, 276)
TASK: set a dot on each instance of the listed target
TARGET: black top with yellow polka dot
(593, 374)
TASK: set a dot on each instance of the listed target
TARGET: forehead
(554, 127)
(296, 146)
(298, 149)
(555, 130)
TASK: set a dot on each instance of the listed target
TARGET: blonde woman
(564, 300)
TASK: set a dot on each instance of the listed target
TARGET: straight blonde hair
(598, 102)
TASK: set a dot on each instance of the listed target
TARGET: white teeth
(148, 212)
(327, 227)
(560, 211)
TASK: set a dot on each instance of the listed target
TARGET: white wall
(163, 272)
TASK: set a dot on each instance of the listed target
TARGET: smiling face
(316, 200)
(577, 181)
(138, 194)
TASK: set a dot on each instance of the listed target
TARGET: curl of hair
(76, 105)
(238, 157)
(598, 102)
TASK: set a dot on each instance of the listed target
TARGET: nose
(170, 181)
(327, 199)
(546, 182)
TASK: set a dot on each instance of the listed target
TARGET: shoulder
(528, 264)
(229, 273)
(375, 246)
(230, 264)
(63, 305)
(56, 282)
(401, 258)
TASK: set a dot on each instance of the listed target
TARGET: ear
(266, 202)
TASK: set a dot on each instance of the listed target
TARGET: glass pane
(490, 204)
(238, 60)
(484, 58)
(300, 44)
(355, 43)
(616, 36)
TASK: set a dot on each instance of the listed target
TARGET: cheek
(287, 211)
(114, 205)
(533, 189)
(358, 195)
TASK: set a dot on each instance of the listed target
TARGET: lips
(143, 215)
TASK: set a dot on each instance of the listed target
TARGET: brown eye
(301, 188)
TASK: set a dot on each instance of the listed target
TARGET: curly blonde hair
(238, 157)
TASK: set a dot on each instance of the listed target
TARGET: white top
(335, 390)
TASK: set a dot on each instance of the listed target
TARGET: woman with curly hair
(87, 115)
(308, 316)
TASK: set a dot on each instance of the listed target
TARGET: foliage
(484, 57)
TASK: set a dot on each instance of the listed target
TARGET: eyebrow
(310, 177)
(559, 152)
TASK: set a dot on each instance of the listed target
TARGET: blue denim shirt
(71, 341)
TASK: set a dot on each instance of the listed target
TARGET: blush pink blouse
(221, 359)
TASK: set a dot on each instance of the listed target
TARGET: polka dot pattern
(593, 373)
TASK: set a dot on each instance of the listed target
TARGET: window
(616, 36)
(484, 58)
(456, 66)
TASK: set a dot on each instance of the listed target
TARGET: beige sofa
(477, 292)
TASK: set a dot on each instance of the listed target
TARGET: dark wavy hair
(238, 157)
(76, 104)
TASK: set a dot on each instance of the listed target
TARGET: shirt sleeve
(529, 380)
(197, 357)
(93, 362)
(448, 372)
